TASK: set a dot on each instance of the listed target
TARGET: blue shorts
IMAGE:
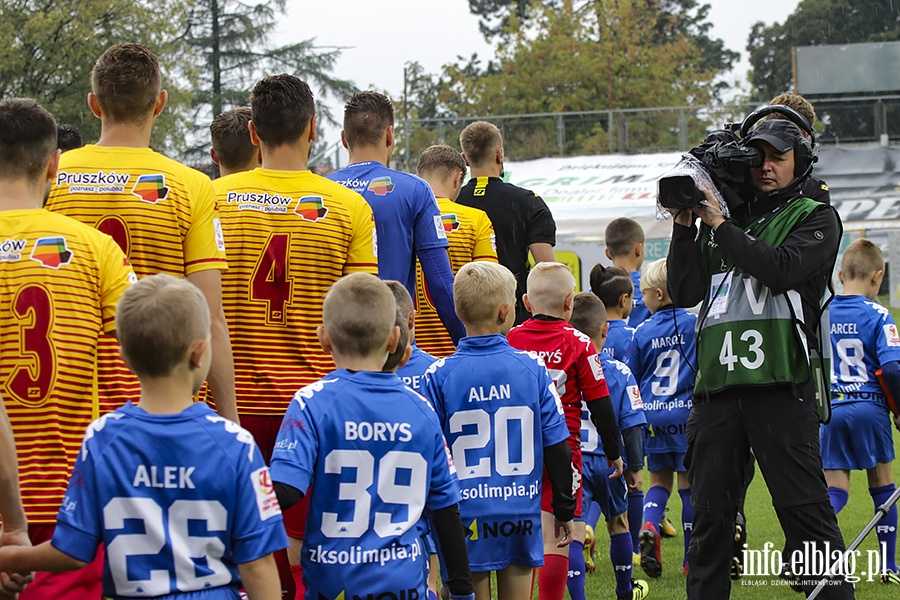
(858, 436)
(666, 460)
(610, 494)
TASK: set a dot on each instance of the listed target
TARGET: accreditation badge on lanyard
(718, 293)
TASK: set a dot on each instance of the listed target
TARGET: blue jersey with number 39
(863, 339)
(658, 356)
(626, 401)
(178, 500)
(373, 453)
(499, 409)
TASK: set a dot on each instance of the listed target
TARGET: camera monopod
(880, 513)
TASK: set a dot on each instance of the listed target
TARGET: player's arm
(361, 256)
(542, 252)
(604, 419)
(15, 525)
(558, 461)
(260, 578)
(44, 557)
(687, 282)
(485, 244)
(633, 439)
(452, 538)
(439, 277)
(221, 371)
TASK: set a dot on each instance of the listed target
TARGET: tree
(581, 56)
(815, 22)
(53, 44)
(821, 22)
(232, 39)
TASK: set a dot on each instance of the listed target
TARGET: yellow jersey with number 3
(60, 282)
(161, 213)
(290, 236)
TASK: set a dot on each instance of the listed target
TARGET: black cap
(781, 134)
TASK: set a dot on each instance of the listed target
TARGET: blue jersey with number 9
(371, 453)
(178, 500)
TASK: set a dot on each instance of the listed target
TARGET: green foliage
(816, 22)
(231, 38)
(53, 44)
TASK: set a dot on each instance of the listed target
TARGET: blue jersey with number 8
(371, 453)
(178, 500)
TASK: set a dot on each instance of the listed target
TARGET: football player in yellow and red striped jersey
(60, 281)
(291, 234)
(160, 212)
(469, 232)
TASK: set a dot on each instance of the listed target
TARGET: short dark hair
(588, 314)
(609, 283)
(281, 107)
(27, 138)
(126, 80)
(68, 137)
(231, 138)
(622, 235)
(479, 141)
(442, 160)
(367, 115)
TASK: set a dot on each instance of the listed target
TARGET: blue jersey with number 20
(178, 500)
(373, 452)
(499, 409)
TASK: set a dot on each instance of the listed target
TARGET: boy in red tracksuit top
(576, 370)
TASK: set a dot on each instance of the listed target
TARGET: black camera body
(726, 159)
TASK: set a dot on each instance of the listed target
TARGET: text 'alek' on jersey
(290, 236)
(61, 281)
(178, 501)
(626, 401)
(371, 453)
(662, 356)
(863, 339)
(407, 217)
(499, 409)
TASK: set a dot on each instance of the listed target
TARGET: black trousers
(783, 431)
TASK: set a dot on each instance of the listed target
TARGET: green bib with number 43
(748, 335)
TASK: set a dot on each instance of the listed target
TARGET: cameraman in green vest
(761, 276)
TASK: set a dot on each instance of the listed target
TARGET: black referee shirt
(520, 218)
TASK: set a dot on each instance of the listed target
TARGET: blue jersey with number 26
(373, 452)
(499, 409)
(178, 500)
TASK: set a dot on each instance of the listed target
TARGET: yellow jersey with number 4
(60, 282)
(290, 236)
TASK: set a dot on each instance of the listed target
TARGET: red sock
(552, 577)
(297, 572)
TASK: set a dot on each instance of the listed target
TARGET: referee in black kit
(521, 220)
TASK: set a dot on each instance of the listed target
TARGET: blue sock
(575, 582)
(635, 517)
(655, 505)
(687, 520)
(838, 498)
(593, 515)
(886, 530)
(620, 555)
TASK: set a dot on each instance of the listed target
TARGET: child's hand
(618, 465)
(566, 531)
(897, 422)
(11, 584)
(635, 480)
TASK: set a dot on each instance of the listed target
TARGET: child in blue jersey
(503, 421)
(407, 218)
(624, 239)
(412, 372)
(614, 286)
(371, 453)
(602, 494)
(413, 363)
(661, 357)
(179, 496)
(864, 339)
